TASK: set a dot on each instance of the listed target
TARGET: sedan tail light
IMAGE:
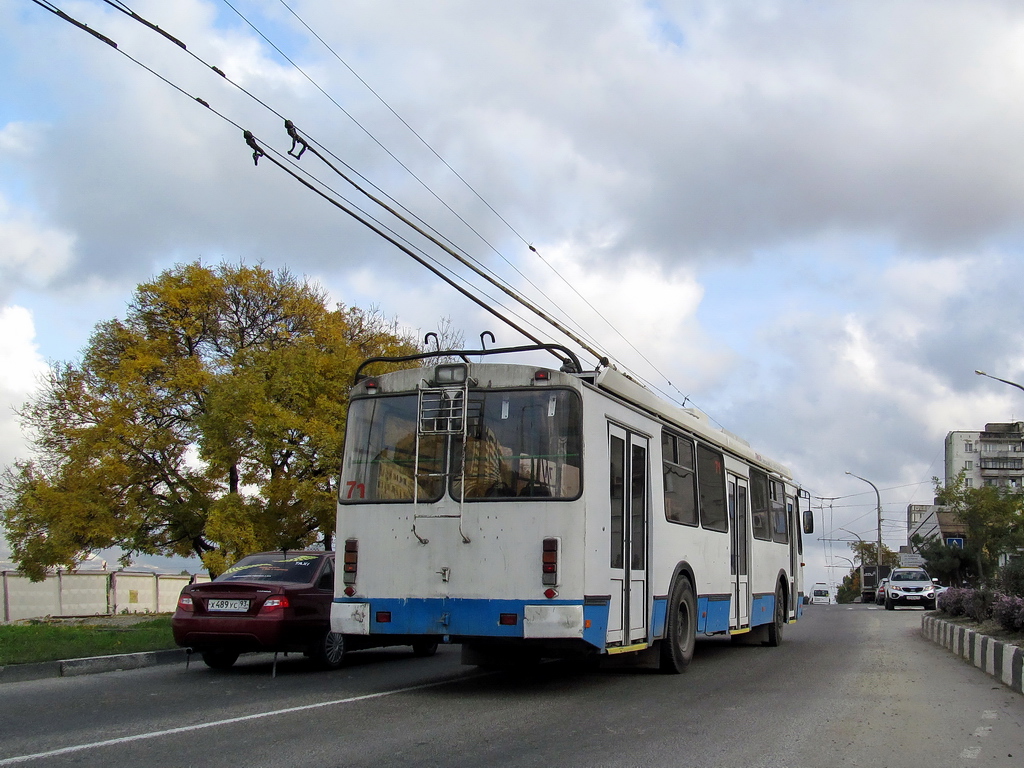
(272, 604)
(185, 603)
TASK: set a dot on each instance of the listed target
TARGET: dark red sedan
(272, 601)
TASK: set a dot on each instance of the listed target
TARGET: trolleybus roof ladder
(442, 411)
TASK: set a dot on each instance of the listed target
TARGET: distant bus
(530, 512)
(820, 593)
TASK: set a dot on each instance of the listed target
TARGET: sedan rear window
(294, 569)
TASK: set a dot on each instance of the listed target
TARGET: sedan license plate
(227, 605)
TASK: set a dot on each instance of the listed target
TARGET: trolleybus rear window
(518, 444)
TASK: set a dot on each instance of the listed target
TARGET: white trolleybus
(529, 512)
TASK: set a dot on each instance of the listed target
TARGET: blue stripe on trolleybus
(469, 617)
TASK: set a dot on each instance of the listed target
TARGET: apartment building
(993, 456)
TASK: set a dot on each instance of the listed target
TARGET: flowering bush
(953, 602)
(978, 604)
(1008, 610)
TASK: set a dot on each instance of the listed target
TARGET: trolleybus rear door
(627, 619)
(793, 515)
(739, 553)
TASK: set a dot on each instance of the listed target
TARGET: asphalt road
(850, 686)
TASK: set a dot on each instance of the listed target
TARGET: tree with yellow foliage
(209, 421)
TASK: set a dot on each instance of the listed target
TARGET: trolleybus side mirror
(808, 521)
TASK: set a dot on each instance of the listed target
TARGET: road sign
(908, 560)
(955, 541)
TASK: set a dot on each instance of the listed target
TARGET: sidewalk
(1002, 661)
(17, 673)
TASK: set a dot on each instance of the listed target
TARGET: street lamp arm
(1011, 383)
(878, 497)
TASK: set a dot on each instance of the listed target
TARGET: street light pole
(1011, 383)
(878, 496)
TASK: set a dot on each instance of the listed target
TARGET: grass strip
(26, 643)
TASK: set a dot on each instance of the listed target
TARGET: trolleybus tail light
(272, 604)
(351, 563)
(542, 376)
(508, 619)
(383, 617)
(550, 593)
(185, 603)
(371, 386)
(350, 590)
(549, 562)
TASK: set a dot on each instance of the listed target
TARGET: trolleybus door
(627, 619)
(739, 613)
(793, 517)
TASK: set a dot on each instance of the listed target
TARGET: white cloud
(21, 367)
(31, 253)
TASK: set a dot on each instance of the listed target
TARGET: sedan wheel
(329, 651)
(220, 658)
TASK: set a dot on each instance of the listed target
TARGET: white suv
(909, 586)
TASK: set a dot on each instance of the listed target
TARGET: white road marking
(989, 714)
(985, 730)
(970, 753)
(216, 723)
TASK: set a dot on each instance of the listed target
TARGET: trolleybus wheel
(681, 634)
(778, 620)
(424, 647)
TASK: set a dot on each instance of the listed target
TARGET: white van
(820, 594)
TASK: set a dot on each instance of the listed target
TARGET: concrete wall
(91, 593)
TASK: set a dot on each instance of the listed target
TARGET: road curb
(17, 673)
(1003, 661)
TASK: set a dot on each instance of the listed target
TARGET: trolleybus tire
(778, 619)
(681, 629)
(219, 658)
(424, 648)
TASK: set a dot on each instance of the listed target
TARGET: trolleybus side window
(780, 529)
(637, 507)
(711, 488)
(759, 507)
(680, 479)
(617, 495)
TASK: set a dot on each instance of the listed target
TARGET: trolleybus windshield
(519, 444)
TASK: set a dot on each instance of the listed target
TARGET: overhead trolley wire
(298, 139)
(565, 317)
(262, 151)
(472, 189)
(465, 259)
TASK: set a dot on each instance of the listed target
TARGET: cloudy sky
(807, 218)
